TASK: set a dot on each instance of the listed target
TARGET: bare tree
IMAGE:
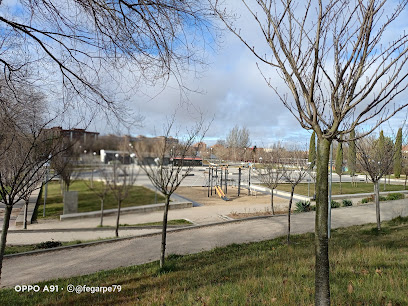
(238, 141)
(294, 173)
(32, 183)
(120, 180)
(90, 43)
(66, 164)
(271, 172)
(100, 189)
(25, 148)
(376, 159)
(342, 63)
(173, 163)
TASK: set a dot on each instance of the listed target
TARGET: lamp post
(92, 168)
(211, 149)
(47, 164)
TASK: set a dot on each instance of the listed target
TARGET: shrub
(383, 198)
(347, 203)
(395, 196)
(366, 200)
(302, 206)
(48, 244)
(335, 204)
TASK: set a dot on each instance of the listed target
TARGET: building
(80, 135)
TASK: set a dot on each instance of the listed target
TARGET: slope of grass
(89, 201)
(14, 249)
(346, 187)
(367, 268)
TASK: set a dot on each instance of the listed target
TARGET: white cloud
(233, 91)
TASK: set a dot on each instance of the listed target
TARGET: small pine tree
(398, 154)
(339, 162)
(312, 150)
(381, 140)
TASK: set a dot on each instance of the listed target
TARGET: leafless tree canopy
(375, 159)
(90, 42)
(341, 60)
(24, 149)
(167, 176)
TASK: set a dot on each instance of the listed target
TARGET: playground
(244, 202)
(227, 188)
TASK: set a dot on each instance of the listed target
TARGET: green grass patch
(389, 197)
(14, 249)
(346, 187)
(367, 268)
(89, 201)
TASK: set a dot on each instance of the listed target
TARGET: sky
(230, 91)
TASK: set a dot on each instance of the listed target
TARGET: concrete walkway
(31, 269)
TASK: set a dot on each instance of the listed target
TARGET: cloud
(232, 91)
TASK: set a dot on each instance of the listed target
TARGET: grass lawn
(367, 268)
(89, 201)
(14, 249)
(346, 187)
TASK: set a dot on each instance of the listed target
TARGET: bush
(382, 198)
(347, 203)
(395, 196)
(335, 204)
(48, 244)
(366, 200)
(302, 206)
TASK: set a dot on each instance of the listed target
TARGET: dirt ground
(200, 195)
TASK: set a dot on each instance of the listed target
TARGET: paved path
(201, 215)
(84, 260)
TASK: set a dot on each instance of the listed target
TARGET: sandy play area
(244, 202)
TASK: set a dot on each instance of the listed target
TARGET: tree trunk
(6, 223)
(289, 210)
(273, 210)
(25, 214)
(340, 184)
(164, 231)
(405, 183)
(101, 212)
(117, 219)
(377, 204)
(322, 269)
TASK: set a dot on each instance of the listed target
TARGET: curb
(82, 245)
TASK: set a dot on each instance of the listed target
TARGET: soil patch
(254, 203)
(200, 195)
(235, 215)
